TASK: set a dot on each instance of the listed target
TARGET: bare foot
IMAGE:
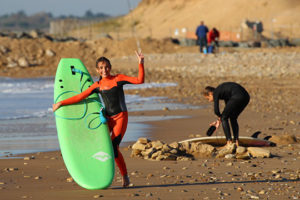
(228, 143)
(237, 143)
(126, 181)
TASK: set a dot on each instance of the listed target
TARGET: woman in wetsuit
(110, 88)
(236, 99)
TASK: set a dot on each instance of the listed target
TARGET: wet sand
(44, 175)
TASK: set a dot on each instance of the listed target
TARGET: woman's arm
(141, 76)
(216, 104)
(75, 99)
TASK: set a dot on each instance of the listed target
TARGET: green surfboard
(84, 140)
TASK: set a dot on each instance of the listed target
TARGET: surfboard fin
(255, 135)
(267, 137)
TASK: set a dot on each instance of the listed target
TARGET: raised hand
(140, 57)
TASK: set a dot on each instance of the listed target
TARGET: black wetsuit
(236, 99)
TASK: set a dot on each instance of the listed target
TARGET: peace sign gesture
(140, 57)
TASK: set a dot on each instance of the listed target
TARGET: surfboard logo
(102, 156)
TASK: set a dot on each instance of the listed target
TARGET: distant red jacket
(212, 35)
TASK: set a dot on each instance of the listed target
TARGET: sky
(67, 7)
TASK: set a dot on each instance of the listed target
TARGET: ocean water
(27, 122)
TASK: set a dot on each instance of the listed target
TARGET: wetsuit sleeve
(133, 80)
(216, 104)
(79, 97)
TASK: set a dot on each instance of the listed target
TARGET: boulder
(143, 140)
(157, 144)
(241, 150)
(23, 62)
(139, 146)
(50, 53)
(202, 150)
(228, 149)
(257, 152)
(283, 139)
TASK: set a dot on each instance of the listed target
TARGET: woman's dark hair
(103, 59)
(207, 90)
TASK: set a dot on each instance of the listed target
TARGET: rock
(174, 145)
(11, 62)
(139, 146)
(143, 140)
(171, 157)
(166, 148)
(12, 169)
(157, 144)
(262, 192)
(70, 180)
(4, 50)
(149, 194)
(35, 34)
(27, 158)
(97, 196)
(276, 171)
(165, 109)
(202, 150)
(283, 139)
(131, 185)
(156, 154)
(244, 156)
(148, 153)
(136, 153)
(228, 149)
(50, 53)
(259, 152)
(229, 156)
(241, 150)
(23, 62)
(186, 146)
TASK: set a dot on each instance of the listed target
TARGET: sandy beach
(272, 78)
(44, 176)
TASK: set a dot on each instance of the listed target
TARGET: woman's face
(103, 69)
(209, 97)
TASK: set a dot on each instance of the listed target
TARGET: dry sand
(272, 78)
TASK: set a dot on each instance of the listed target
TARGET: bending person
(236, 99)
(111, 90)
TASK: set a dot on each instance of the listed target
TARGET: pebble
(97, 196)
(70, 180)
(262, 192)
(149, 194)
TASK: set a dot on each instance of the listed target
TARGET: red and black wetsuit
(112, 93)
(236, 99)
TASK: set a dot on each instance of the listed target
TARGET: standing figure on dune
(201, 32)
